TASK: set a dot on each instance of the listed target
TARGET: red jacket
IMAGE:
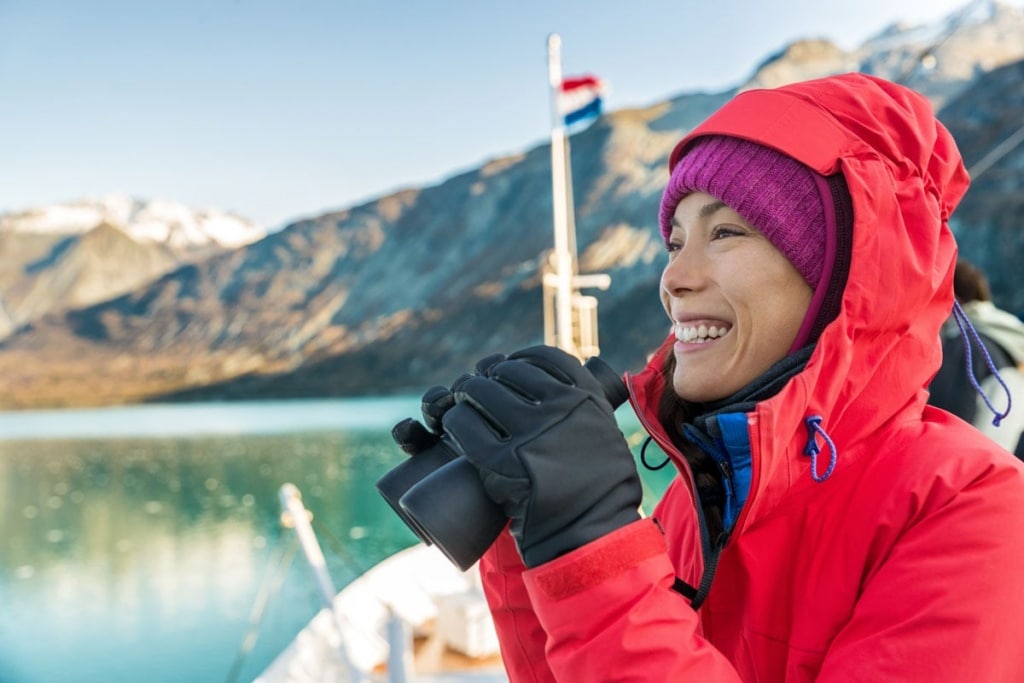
(905, 563)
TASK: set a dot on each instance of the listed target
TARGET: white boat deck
(443, 614)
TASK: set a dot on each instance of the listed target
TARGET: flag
(579, 98)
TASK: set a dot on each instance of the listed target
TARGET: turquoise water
(134, 542)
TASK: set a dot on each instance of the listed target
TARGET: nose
(685, 272)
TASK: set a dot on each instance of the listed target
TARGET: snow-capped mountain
(170, 223)
(943, 58)
(75, 254)
(939, 59)
(362, 301)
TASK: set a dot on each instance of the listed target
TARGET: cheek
(778, 318)
(663, 295)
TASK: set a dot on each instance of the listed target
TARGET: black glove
(430, 452)
(413, 436)
(544, 438)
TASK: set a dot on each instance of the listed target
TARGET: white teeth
(699, 334)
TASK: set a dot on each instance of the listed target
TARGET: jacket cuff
(597, 561)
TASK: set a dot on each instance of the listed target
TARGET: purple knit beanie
(773, 192)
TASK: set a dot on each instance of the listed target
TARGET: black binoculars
(440, 497)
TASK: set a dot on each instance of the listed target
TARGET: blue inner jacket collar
(720, 430)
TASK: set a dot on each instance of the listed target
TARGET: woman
(825, 523)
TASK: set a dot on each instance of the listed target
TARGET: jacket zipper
(681, 465)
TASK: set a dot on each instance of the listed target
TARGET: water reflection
(133, 559)
(141, 558)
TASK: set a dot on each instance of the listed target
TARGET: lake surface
(135, 542)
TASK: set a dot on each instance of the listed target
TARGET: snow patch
(157, 220)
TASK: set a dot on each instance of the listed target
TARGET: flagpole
(563, 256)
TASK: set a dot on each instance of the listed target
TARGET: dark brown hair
(673, 412)
(970, 284)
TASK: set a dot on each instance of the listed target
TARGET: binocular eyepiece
(440, 497)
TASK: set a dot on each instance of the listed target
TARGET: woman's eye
(721, 231)
(673, 246)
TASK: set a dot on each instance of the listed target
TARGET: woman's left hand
(544, 438)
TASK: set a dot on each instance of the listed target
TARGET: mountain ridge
(402, 291)
(74, 254)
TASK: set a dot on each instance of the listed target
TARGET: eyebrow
(710, 209)
(706, 211)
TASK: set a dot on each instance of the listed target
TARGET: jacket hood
(905, 177)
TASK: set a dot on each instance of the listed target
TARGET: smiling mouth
(699, 334)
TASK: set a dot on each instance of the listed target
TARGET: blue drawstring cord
(811, 449)
(970, 334)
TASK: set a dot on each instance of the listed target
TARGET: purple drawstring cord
(811, 449)
(970, 335)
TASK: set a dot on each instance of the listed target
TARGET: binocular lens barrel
(452, 509)
(441, 499)
(394, 484)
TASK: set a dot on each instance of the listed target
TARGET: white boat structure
(412, 618)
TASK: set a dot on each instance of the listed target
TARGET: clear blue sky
(279, 109)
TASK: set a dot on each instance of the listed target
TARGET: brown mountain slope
(405, 291)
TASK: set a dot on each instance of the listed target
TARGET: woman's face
(735, 301)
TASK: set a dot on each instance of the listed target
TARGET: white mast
(570, 319)
(294, 514)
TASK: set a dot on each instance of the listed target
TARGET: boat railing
(414, 616)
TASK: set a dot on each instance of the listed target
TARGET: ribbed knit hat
(773, 192)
